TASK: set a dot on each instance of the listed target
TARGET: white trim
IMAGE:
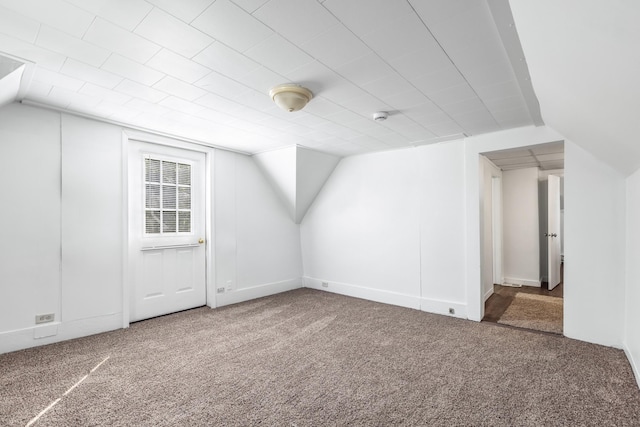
(245, 294)
(129, 135)
(437, 306)
(132, 128)
(356, 291)
(522, 282)
(488, 294)
(635, 364)
(56, 332)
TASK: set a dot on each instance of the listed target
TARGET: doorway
(526, 268)
(167, 229)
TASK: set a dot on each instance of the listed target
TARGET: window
(167, 197)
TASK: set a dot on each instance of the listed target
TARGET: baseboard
(488, 294)
(245, 294)
(60, 331)
(377, 295)
(523, 282)
(387, 297)
(635, 364)
(444, 307)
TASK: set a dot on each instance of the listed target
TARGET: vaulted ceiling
(202, 69)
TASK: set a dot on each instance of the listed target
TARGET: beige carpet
(531, 311)
(312, 358)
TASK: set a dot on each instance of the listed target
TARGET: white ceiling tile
(179, 104)
(336, 46)
(132, 70)
(250, 5)
(278, 54)
(311, 18)
(465, 106)
(431, 119)
(179, 88)
(125, 13)
(72, 97)
(489, 75)
(390, 42)
(552, 148)
(140, 91)
(177, 66)
(173, 34)
(230, 24)
(219, 103)
(123, 114)
(322, 107)
(407, 100)
(224, 60)
(364, 16)
(444, 78)
(55, 13)
(85, 72)
(507, 89)
(148, 107)
(115, 39)
(320, 80)
(21, 49)
(365, 69)
(388, 86)
(548, 157)
(430, 59)
(343, 116)
(512, 114)
(445, 129)
(504, 103)
(16, 25)
(222, 86)
(38, 90)
(472, 117)
(262, 80)
(57, 41)
(107, 95)
(452, 94)
(186, 10)
(53, 78)
(259, 100)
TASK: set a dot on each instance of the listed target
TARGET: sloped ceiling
(584, 60)
(202, 69)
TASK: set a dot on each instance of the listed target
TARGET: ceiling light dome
(290, 97)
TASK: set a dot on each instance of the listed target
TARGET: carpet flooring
(312, 358)
(537, 312)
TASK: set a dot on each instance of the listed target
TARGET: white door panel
(166, 229)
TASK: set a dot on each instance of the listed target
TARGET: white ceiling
(584, 58)
(543, 156)
(202, 69)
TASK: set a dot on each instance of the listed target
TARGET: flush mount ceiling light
(380, 116)
(290, 97)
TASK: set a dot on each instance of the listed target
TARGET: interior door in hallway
(166, 229)
(553, 231)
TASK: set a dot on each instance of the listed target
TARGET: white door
(553, 231)
(166, 230)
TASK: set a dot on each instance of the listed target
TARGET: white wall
(362, 234)
(442, 232)
(63, 250)
(521, 227)
(30, 235)
(632, 297)
(594, 290)
(389, 227)
(257, 243)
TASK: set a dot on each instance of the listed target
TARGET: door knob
(546, 234)
(201, 241)
(554, 235)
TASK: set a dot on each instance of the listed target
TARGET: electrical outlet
(229, 285)
(452, 310)
(325, 284)
(220, 290)
(45, 318)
